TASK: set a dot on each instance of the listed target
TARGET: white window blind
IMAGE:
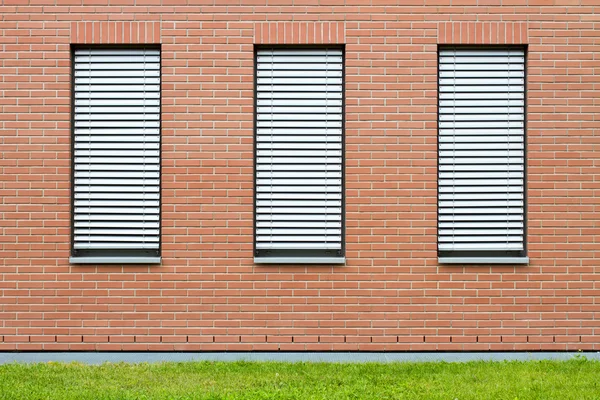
(481, 165)
(299, 152)
(116, 205)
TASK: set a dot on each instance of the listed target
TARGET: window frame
(284, 256)
(483, 256)
(113, 256)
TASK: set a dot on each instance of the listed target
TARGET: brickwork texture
(391, 295)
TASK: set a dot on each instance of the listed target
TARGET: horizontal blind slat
(299, 161)
(117, 149)
(481, 150)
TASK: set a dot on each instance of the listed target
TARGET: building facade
(313, 175)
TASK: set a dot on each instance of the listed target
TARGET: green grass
(575, 379)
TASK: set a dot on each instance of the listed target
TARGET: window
(299, 146)
(481, 155)
(116, 155)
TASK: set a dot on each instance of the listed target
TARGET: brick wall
(391, 295)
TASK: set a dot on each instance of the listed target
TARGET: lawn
(575, 379)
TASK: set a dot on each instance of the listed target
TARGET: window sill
(483, 260)
(299, 260)
(114, 260)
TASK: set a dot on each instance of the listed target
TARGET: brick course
(391, 295)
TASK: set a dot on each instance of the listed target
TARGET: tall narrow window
(299, 165)
(116, 155)
(481, 155)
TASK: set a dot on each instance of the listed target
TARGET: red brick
(207, 295)
(482, 33)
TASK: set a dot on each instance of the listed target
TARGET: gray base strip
(98, 358)
(114, 260)
(483, 260)
(299, 260)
